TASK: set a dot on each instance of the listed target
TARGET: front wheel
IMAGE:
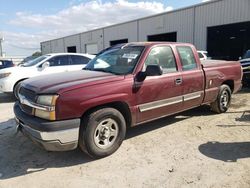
(102, 132)
(223, 100)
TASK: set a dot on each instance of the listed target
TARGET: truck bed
(216, 72)
(218, 63)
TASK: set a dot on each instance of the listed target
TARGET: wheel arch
(121, 106)
(230, 84)
(17, 82)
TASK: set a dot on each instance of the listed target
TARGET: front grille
(26, 109)
(28, 94)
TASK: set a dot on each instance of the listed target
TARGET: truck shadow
(245, 117)
(244, 90)
(19, 156)
(150, 126)
(7, 98)
(227, 152)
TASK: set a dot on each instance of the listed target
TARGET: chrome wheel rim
(106, 133)
(224, 99)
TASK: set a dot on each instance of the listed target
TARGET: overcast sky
(25, 23)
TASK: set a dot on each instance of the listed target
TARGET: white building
(221, 26)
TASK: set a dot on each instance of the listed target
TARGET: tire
(16, 88)
(223, 100)
(102, 132)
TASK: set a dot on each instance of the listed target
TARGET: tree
(36, 54)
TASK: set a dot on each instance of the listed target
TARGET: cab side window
(59, 61)
(162, 56)
(188, 61)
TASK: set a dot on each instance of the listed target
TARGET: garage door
(169, 37)
(121, 41)
(91, 48)
(228, 41)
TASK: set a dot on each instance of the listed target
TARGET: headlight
(49, 102)
(45, 114)
(3, 75)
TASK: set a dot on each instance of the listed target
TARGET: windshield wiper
(106, 71)
(87, 69)
(101, 70)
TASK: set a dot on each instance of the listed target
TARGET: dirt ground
(193, 149)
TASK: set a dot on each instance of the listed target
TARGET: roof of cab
(152, 43)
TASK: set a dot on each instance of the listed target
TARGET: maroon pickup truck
(121, 88)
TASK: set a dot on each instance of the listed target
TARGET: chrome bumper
(51, 135)
(51, 141)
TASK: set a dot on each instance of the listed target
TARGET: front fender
(102, 100)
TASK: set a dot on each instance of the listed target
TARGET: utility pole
(1, 47)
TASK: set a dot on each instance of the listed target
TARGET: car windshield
(35, 61)
(117, 61)
(247, 55)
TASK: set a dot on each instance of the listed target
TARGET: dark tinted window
(187, 58)
(35, 61)
(78, 60)
(59, 61)
(162, 56)
(6, 63)
(200, 55)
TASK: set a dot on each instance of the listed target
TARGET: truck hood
(62, 82)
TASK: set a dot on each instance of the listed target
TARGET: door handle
(178, 81)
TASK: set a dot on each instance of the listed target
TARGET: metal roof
(151, 16)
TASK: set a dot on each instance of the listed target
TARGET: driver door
(160, 95)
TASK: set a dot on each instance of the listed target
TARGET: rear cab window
(162, 56)
(187, 58)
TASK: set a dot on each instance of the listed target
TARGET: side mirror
(240, 58)
(45, 65)
(153, 70)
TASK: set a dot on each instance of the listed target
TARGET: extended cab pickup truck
(121, 88)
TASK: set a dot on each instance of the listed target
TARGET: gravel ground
(193, 149)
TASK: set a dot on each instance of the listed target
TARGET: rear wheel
(223, 100)
(102, 132)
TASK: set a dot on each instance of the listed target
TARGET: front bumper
(51, 135)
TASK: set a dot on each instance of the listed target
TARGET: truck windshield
(116, 61)
(35, 61)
